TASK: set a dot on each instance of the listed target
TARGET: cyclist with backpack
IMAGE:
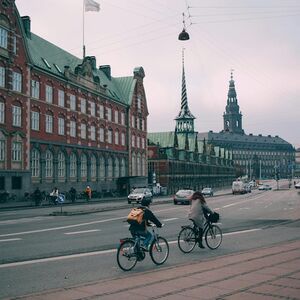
(138, 223)
(198, 213)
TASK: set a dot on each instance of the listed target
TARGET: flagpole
(83, 48)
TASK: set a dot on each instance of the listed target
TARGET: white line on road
(42, 260)
(10, 240)
(83, 231)
(24, 220)
(171, 219)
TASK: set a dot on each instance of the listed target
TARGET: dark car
(207, 192)
(183, 196)
(138, 194)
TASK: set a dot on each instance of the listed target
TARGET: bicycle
(130, 250)
(187, 237)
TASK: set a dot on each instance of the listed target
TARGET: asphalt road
(42, 252)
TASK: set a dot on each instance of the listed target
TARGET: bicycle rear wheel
(186, 239)
(159, 250)
(213, 237)
(126, 255)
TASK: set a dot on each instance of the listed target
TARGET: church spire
(185, 119)
(232, 115)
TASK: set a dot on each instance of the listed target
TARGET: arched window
(122, 168)
(133, 165)
(61, 165)
(35, 163)
(143, 166)
(117, 168)
(109, 135)
(73, 165)
(138, 164)
(83, 166)
(49, 164)
(102, 168)
(109, 168)
(93, 167)
(117, 137)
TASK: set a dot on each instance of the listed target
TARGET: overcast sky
(259, 39)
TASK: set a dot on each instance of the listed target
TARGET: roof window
(57, 68)
(46, 63)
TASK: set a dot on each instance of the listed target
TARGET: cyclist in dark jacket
(141, 229)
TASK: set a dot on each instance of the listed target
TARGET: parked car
(297, 185)
(238, 187)
(207, 192)
(183, 196)
(264, 187)
(138, 194)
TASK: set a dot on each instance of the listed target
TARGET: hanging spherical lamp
(183, 35)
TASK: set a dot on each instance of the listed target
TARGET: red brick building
(64, 121)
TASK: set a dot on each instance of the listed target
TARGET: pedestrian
(54, 195)
(37, 196)
(72, 193)
(88, 193)
(198, 212)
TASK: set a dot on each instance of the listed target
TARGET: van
(238, 187)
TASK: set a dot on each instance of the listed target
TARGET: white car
(138, 194)
(297, 185)
(207, 192)
(264, 187)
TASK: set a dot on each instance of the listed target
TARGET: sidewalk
(264, 273)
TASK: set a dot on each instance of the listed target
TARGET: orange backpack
(135, 216)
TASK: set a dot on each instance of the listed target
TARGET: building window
(139, 102)
(133, 141)
(3, 37)
(122, 118)
(109, 136)
(123, 139)
(35, 163)
(108, 113)
(61, 165)
(101, 111)
(17, 82)
(117, 137)
(93, 167)
(2, 150)
(101, 134)
(72, 128)
(138, 142)
(132, 121)
(49, 94)
(143, 143)
(102, 169)
(72, 102)
(49, 164)
(61, 126)
(14, 44)
(61, 98)
(73, 165)
(83, 166)
(93, 133)
(49, 123)
(2, 76)
(35, 89)
(137, 123)
(16, 151)
(35, 120)
(117, 168)
(109, 168)
(83, 105)
(143, 124)
(122, 168)
(83, 131)
(116, 116)
(16, 116)
(93, 109)
(2, 112)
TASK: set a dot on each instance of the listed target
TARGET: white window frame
(61, 126)
(61, 165)
(73, 102)
(16, 151)
(133, 141)
(17, 82)
(123, 139)
(108, 113)
(35, 163)
(116, 137)
(122, 118)
(49, 94)
(93, 133)
(109, 135)
(83, 105)
(61, 98)
(2, 76)
(116, 116)
(73, 128)
(93, 109)
(35, 89)
(2, 112)
(83, 166)
(16, 116)
(132, 121)
(93, 167)
(49, 123)
(73, 165)
(101, 134)
(3, 37)
(101, 111)
(83, 128)
(48, 164)
(35, 120)
(2, 150)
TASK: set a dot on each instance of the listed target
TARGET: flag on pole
(91, 5)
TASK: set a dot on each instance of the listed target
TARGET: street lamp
(183, 35)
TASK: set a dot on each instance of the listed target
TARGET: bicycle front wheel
(159, 250)
(213, 237)
(126, 255)
(187, 239)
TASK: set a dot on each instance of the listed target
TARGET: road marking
(10, 240)
(24, 220)
(171, 219)
(245, 200)
(101, 252)
(83, 231)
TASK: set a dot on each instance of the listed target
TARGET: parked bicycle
(130, 250)
(187, 237)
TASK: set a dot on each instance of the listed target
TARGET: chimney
(106, 70)
(26, 24)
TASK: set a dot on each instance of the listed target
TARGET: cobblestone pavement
(264, 273)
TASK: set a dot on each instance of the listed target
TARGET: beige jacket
(196, 212)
